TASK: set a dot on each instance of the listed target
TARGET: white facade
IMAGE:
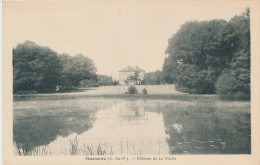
(131, 75)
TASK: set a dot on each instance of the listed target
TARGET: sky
(113, 34)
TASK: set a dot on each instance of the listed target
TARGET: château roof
(131, 69)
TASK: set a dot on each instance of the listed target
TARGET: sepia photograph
(128, 80)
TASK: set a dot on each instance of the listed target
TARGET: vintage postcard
(139, 82)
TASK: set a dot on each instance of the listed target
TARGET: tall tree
(34, 68)
(76, 69)
(196, 44)
(235, 80)
(209, 56)
(154, 77)
(169, 66)
(40, 69)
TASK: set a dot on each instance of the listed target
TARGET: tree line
(40, 69)
(154, 78)
(209, 57)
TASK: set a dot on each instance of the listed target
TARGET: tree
(35, 68)
(200, 52)
(104, 80)
(196, 44)
(154, 77)
(225, 86)
(192, 80)
(40, 69)
(168, 70)
(237, 38)
(75, 69)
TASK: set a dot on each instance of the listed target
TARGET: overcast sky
(114, 34)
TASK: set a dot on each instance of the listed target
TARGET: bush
(144, 91)
(132, 90)
(228, 87)
(89, 83)
(192, 80)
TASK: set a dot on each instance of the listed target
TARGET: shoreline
(183, 97)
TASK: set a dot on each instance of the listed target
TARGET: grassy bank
(184, 97)
(165, 92)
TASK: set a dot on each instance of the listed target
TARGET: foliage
(132, 90)
(169, 66)
(228, 90)
(200, 51)
(35, 68)
(104, 80)
(236, 81)
(225, 86)
(75, 69)
(115, 82)
(144, 91)
(154, 78)
(89, 83)
(192, 80)
(40, 69)
(196, 44)
(38, 151)
(135, 76)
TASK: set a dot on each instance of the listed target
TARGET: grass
(115, 90)
(75, 149)
(162, 92)
(87, 149)
(38, 151)
(74, 146)
(119, 96)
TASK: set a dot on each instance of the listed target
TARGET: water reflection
(124, 128)
(107, 126)
(38, 123)
(193, 130)
(33, 131)
(133, 110)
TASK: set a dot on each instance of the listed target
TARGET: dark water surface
(94, 126)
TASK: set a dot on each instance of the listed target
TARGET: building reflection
(132, 110)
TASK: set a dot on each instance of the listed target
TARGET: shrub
(144, 91)
(192, 80)
(132, 90)
(89, 83)
(228, 87)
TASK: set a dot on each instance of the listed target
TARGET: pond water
(96, 126)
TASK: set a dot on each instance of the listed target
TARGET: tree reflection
(203, 130)
(33, 131)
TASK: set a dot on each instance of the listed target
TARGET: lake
(98, 126)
